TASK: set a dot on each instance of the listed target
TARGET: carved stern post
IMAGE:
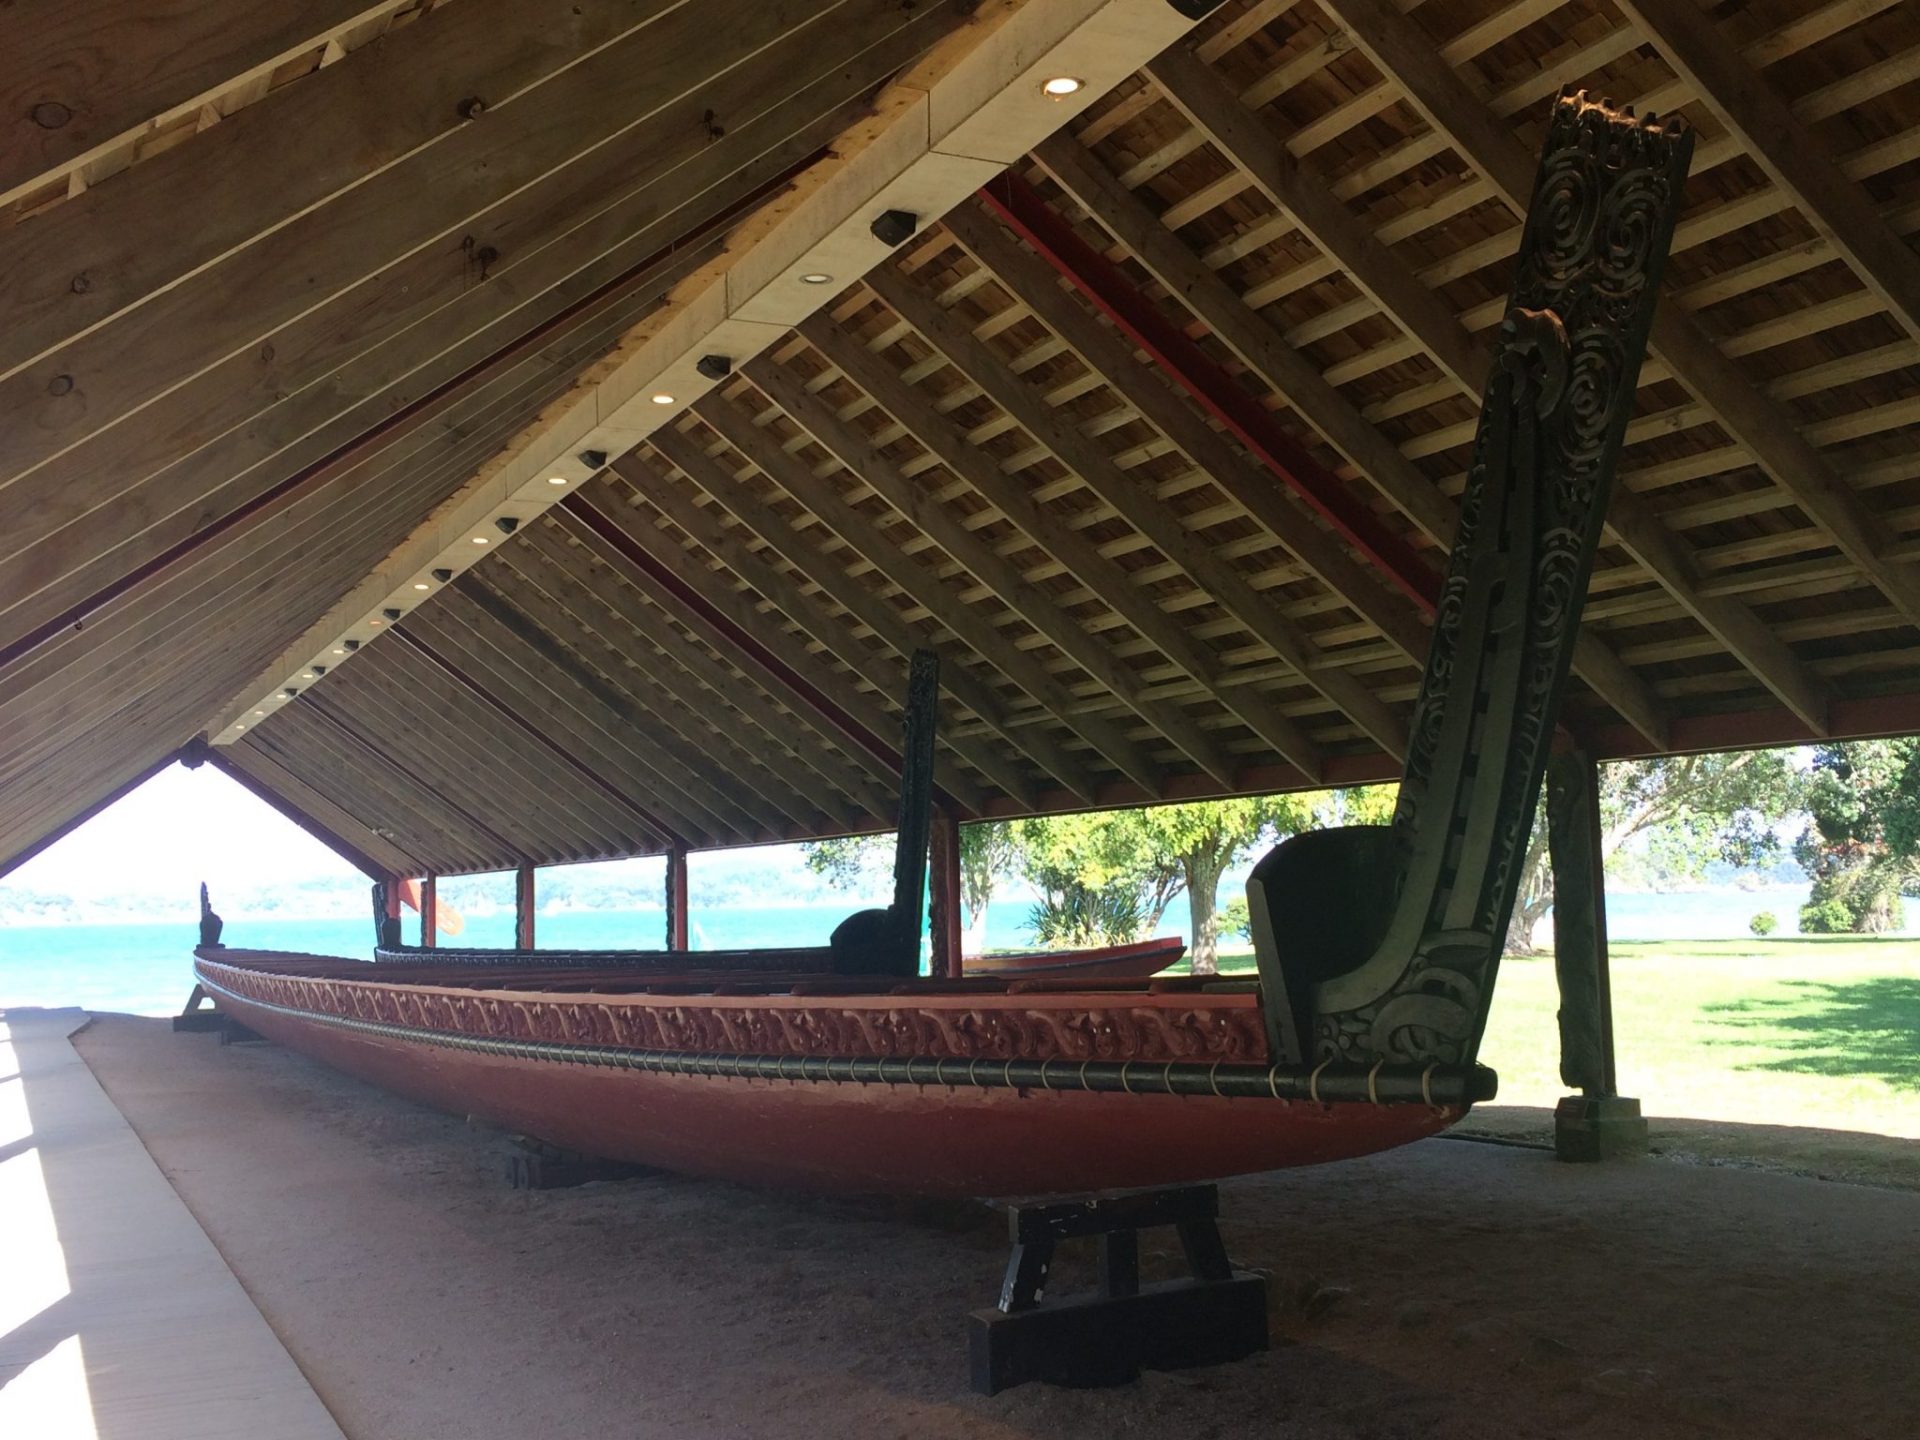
(1380, 944)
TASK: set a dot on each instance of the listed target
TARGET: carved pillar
(677, 898)
(943, 894)
(1598, 1122)
(523, 908)
(429, 912)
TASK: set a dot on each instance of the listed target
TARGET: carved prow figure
(1380, 943)
(887, 942)
(210, 924)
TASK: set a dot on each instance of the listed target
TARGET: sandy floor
(1453, 1289)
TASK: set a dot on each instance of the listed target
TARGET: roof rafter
(1400, 50)
(1244, 139)
(853, 450)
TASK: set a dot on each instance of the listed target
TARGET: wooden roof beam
(851, 448)
(852, 753)
(662, 832)
(757, 775)
(1105, 353)
(79, 81)
(810, 616)
(1754, 113)
(320, 815)
(548, 604)
(1243, 138)
(78, 815)
(872, 611)
(1400, 49)
(1267, 354)
(321, 712)
(971, 106)
(976, 361)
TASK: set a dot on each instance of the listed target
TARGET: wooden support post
(677, 898)
(523, 908)
(1598, 1123)
(429, 912)
(943, 894)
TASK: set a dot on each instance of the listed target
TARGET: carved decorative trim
(1605, 201)
(880, 1027)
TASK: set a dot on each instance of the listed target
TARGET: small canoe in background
(1109, 962)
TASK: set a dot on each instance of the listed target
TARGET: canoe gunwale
(1439, 1087)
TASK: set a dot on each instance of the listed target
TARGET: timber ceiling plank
(1399, 49)
(1106, 355)
(77, 78)
(263, 771)
(437, 729)
(292, 152)
(886, 678)
(1321, 405)
(543, 240)
(1107, 581)
(539, 597)
(682, 662)
(668, 707)
(801, 777)
(640, 99)
(866, 607)
(1245, 141)
(725, 623)
(855, 450)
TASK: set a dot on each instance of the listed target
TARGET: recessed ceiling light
(306, 674)
(259, 712)
(420, 585)
(373, 622)
(663, 399)
(816, 277)
(556, 479)
(339, 652)
(240, 727)
(1061, 86)
(479, 539)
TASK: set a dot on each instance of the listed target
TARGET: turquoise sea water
(147, 969)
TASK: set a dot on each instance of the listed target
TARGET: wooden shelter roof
(1200, 570)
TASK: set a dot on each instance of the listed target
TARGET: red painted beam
(261, 791)
(677, 927)
(325, 713)
(55, 836)
(943, 895)
(523, 901)
(742, 639)
(661, 829)
(1211, 385)
(429, 911)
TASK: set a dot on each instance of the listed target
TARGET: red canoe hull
(837, 1135)
(1113, 962)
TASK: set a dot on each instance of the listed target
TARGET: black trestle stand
(1214, 1315)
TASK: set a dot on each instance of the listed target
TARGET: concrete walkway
(119, 1320)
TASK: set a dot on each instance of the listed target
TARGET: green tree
(1694, 809)
(1862, 840)
(988, 854)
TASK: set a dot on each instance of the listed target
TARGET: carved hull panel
(538, 1062)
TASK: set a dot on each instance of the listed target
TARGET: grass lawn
(1804, 1031)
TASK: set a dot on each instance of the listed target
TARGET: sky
(181, 827)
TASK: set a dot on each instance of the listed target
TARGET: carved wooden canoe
(967, 1087)
(1110, 962)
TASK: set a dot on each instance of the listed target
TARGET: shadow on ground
(1867, 1028)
